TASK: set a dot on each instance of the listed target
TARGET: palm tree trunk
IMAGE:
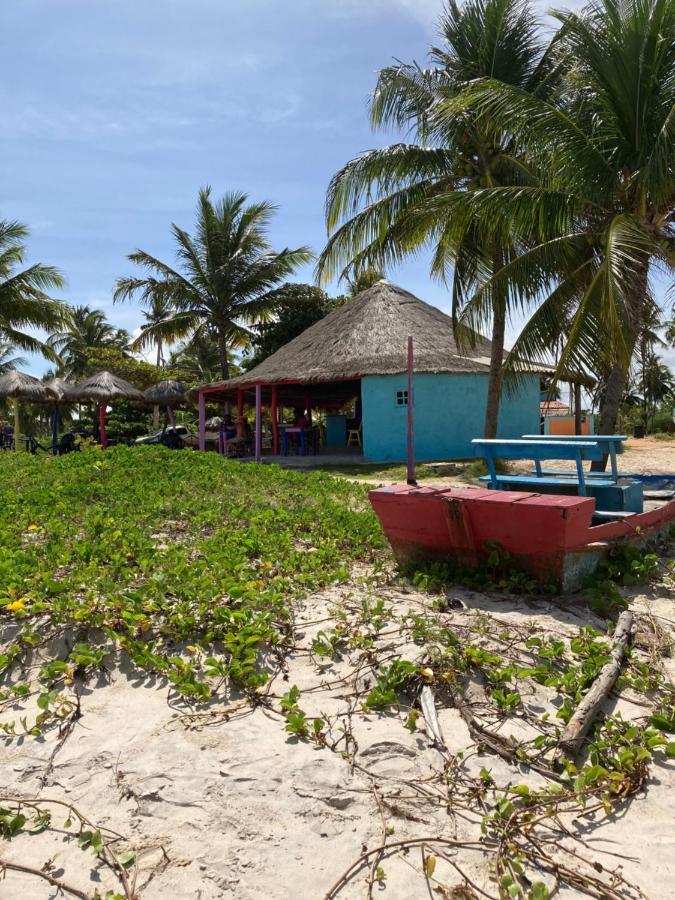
(155, 408)
(224, 367)
(496, 360)
(618, 377)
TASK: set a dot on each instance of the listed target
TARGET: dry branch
(578, 726)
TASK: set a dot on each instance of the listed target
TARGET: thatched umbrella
(102, 388)
(19, 386)
(167, 393)
(59, 386)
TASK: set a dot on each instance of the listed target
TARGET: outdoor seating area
(616, 495)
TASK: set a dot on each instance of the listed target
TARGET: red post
(411, 417)
(202, 421)
(240, 413)
(258, 422)
(308, 407)
(275, 420)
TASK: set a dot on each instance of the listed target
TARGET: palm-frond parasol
(167, 393)
(20, 386)
(102, 388)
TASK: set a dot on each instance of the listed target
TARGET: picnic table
(610, 445)
(619, 499)
(303, 433)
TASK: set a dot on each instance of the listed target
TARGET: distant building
(352, 365)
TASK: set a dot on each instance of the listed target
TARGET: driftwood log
(578, 726)
(428, 706)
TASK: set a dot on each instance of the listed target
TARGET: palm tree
(392, 202)
(198, 361)
(84, 330)
(7, 360)
(600, 220)
(225, 274)
(23, 301)
(158, 312)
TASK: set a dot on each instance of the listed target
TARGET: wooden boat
(552, 536)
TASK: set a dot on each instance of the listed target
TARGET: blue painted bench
(610, 496)
(608, 444)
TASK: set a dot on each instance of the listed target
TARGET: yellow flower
(33, 528)
(16, 606)
(191, 649)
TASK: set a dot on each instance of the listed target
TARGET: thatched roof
(102, 387)
(59, 386)
(25, 387)
(166, 393)
(368, 336)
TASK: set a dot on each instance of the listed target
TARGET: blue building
(351, 365)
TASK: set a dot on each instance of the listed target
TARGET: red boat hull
(548, 535)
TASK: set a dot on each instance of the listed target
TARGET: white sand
(243, 810)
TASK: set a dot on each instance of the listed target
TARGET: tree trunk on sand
(496, 364)
(618, 377)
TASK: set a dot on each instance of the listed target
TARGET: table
(301, 432)
(610, 444)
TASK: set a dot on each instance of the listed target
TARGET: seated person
(228, 428)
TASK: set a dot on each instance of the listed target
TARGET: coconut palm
(600, 221)
(84, 330)
(23, 301)
(198, 361)
(224, 277)
(8, 360)
(158, 312)
(385, 205)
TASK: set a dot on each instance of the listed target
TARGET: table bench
(610, 496)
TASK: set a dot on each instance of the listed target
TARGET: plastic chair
(354, 434)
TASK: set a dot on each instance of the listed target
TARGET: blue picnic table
(612, 497)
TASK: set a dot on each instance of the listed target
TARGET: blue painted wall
(449, 412)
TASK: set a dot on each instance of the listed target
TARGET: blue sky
(115, 112)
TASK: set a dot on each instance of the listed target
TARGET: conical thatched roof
(25, 387)
(368, 336)
(58, 386)
(102, 387)
(166, 393)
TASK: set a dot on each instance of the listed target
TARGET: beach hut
(102, 388)
(357, 355)
(18, 386)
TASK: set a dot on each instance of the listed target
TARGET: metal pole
(411, 417)
(202, 420)
(258, 422)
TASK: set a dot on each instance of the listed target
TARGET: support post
(101, 425)
(17, 424)
(577, 408)
(258, 422)
(411, 417)
(240, 414)
(275, 420)
(172, 418)
(202, 420)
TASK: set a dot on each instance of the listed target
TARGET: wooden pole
(172, 418)
(101, 425)
(411, 417)
(17, 423)
(202, 420)
(258, 422)
(275, 420)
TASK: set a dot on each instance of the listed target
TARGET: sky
(116, 112)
